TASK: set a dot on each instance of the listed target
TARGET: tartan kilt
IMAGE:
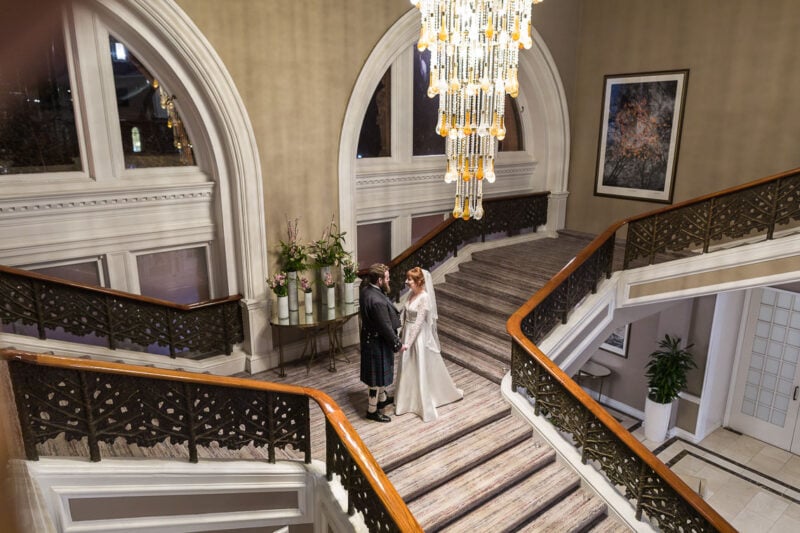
(377, 363)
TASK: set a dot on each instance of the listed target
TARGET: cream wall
(742, 102)
(294, 64)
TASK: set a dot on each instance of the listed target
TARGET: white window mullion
(402, 106)
(91, 85)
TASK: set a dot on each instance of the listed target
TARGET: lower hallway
(754, 486)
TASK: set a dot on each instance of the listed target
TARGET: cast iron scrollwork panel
(360, 495)
(106, 407)
(204, 331)
(787, 202)
(598, 445)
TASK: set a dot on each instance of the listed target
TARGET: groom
(379, 341)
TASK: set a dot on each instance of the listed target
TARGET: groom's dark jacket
(380, 321)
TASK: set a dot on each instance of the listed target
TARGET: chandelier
(474, 46)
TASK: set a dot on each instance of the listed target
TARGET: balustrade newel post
(709, 220)
(37, 302)
(170, 334)
(271, 426)
(190, 419)
(109, 302)
(639, 488)
(652, 254)
(775, 189)
(91, 429)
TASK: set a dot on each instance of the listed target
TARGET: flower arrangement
(278, 284)
(328, 280)
(329, 250)
(350, 270)
(292, 254)
(305, 284)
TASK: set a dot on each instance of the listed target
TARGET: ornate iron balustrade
(510, 215)
(121, 319)
(759, 207)
(103, 402)
(756, 208)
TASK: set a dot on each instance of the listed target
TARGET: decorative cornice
(375, 179)
(106, 199)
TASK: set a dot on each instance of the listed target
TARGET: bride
(423, 382)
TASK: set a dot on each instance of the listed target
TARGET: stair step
(466, 492)
(473, 319)
(527, 499)
(577, 512)
(474, 335)
(507, 271)
(477, 361)
(414, 454)
(500, 303)
(477, 285)
(422, 475)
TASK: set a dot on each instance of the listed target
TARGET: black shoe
(388, 401)
(378, 417)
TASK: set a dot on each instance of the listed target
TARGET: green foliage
(667, 369)
(329, 250)
(349, 268)
(292, 254)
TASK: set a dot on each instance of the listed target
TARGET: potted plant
(279, 287)
(666, 375)
(329, 250)
(307, 298)
(292, 256)
(350, 273)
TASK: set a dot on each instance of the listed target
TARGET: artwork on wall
(640, 132)
(617, 342)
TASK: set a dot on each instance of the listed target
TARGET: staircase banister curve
(116, 293)
(363, 458)
(591, 258)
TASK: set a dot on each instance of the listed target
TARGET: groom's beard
(386, 289)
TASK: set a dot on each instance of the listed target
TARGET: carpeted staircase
(497, 476)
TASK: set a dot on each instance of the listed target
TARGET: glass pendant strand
(474, 46)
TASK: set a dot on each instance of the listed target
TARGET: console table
(322, 320)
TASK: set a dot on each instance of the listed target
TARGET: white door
(766, 397)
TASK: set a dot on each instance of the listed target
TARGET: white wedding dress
(423, 382)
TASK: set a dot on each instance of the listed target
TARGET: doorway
(766, 394)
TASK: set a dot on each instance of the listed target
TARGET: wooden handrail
(509, 214)
(358, 451)
(118, 294)
(199, 330)
(566, 276)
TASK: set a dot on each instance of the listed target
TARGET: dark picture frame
(617, 342)
(640, 133)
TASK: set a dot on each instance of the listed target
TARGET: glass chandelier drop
(474, 47)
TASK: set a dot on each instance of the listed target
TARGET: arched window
(399, 148)
(94, 146)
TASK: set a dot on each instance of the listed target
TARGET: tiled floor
(753, 485)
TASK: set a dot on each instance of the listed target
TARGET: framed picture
(617, 342)
(640, 132)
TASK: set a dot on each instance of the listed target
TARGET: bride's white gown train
(423, 382)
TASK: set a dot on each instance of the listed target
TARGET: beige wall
(295, 64)
(742, 102)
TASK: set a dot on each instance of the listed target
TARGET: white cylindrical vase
(349, 292)
(309, 302)
(283, 307)
(331, 297)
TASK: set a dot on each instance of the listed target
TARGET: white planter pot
(349, 292)
(283, 307)
(308, 299)
(331, 300)
(656, 420)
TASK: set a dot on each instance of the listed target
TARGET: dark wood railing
(757, 208)
(509, 215)
(103, 402)
(120, 319)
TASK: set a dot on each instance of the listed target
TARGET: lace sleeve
(422, 316)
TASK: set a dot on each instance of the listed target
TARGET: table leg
(281, 372)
